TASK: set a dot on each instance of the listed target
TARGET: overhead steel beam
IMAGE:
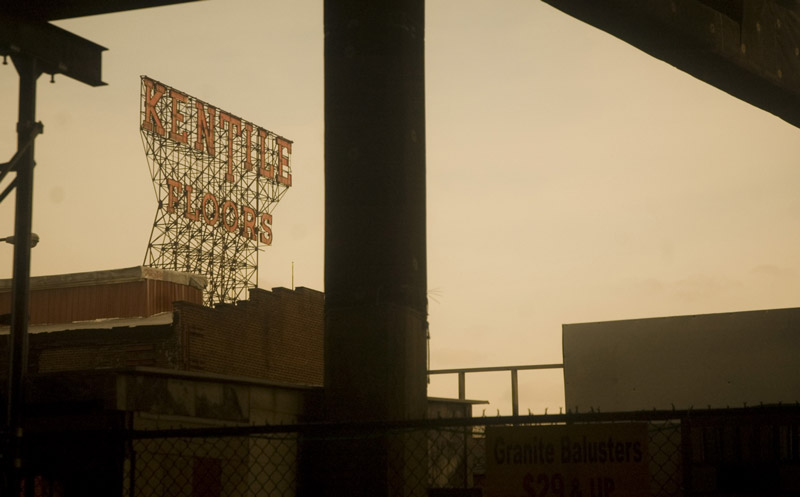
(56, 51)
(747, 48)
(50, 10)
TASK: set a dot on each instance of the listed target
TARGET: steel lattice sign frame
(217, 179)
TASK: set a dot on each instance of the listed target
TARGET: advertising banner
(585, 460)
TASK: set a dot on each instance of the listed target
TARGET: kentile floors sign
(217, 178)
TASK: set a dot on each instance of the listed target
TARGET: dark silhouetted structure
(35, 47)
(748, 48)
(375, 249)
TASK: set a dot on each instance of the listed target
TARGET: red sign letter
(212, 221)
(151, 98)
(283, 161)
(177, 117)
(227, 207)
(205, 128)
(248, 223)
(173, 197)
(248, 163)
(233, 122)
(266, 231)
(265, 169)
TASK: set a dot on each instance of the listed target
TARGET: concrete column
(375, 252)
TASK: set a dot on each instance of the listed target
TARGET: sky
(571, 177)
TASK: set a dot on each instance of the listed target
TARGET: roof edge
(111, 276)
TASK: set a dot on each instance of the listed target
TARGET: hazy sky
(571, 178)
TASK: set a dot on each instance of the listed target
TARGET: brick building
(155, 318)
(113, 338)
(112, 351)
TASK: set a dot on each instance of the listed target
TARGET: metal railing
(462, 378)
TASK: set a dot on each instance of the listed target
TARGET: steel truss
(216, 237)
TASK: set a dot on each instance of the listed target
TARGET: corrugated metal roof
(94, 278)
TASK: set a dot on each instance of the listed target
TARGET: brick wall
(76, 350)
(275, 335)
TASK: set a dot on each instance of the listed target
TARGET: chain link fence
(436, 458)
(199, 466)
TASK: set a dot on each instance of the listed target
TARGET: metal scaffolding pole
(27, 129)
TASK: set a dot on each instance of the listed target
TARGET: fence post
(131, 467)
(514, 393)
